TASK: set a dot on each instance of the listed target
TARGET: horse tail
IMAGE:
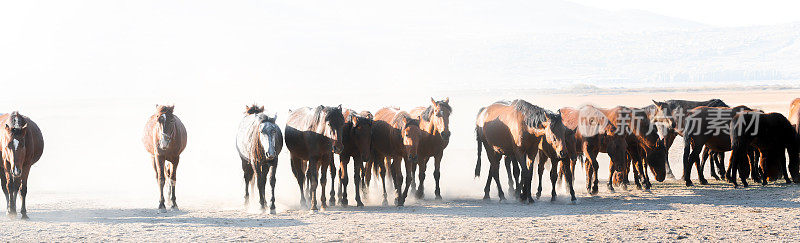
(478, 138)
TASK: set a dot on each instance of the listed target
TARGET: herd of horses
(380, 145)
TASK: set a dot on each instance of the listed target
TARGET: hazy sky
(712, 12)
(110, 48)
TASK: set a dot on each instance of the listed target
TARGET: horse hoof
(486, 197)
(553, 199)
(360, 204)
(385, 202)
(343, 202)
(419, 194)
(689, 183)
(332, 202)
(25, 216)
(703, 182)
(162, 210)
(314, 208)
(502, 198)
(175, 208)
(438, 197)
(12, 215)
(538, 195)
(272, 211)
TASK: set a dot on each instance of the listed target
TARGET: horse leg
(272, 168)
(687, 165)
(357, 178)
(437, 162)
(511, 180)
(382, 173)
(344, 180)
(23, 191)
(591, 168)
(670, 138)
(492, 156)
(332, 167)
(313, 181)
(409, 177)
(705, 157)
(5, 190)
(413, 186)
(423, 167)
(261, 181)
(567, 169)
(540, 170)
(248, 176)
(643, 171)
(323, 181)
(160, 177)
(297, 169)
(553, 178)
(517, 179)
(172, 172)
(700, 168)
(754, 169)
(397, 178)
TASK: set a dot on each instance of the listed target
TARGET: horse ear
(339, 107)
(433, 101)
(25, 126)
(656, 103)
(447, 100)
(7, 127)
(275, 116)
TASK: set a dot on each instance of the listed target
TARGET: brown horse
(395, 138)
(434, 121)
(313, 135)
(518, 129)
(594, 134)
(513, 178)
(645, 148)
(259, 142)
(701, 126)
(772, 134)
(357, 140)
(165, 138)
(21, 145)
(794, 114)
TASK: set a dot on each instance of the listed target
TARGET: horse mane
(265, 118)
(426, 114)
(165, 109)
(534, 115)
(254, 109)
(403, 117)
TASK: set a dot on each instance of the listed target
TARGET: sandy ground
(93, 184)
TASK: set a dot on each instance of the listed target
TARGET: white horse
(259, 141)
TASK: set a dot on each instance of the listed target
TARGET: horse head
(166, 129)
(270, 136)
(438, 114)
(15, 150)
(555, 134)
(334, 121)
(411, 134)
(663, 118)
(362, 133)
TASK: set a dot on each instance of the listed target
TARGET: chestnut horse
(356, 139)
(21, 145)
(595, 133)
(395, 138)
(701, 126)
(165, 138)
(259, 142)
(518, 130)
(313, 135)
(645, 148)
(771, 134)
(434, 121)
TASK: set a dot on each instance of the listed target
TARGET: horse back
(794, 114)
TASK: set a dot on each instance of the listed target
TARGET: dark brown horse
(313, 135)
(518, 129)
(21, 145)
(357, 140)
(669, 135)
(434, 121)
(701, 126)
(772, 134)
(594, 134)
(165, 138)
(395, 138)
(645, 148)
(259, 142)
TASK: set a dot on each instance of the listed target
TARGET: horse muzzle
(15, 172)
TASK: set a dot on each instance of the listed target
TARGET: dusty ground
(108, 192)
